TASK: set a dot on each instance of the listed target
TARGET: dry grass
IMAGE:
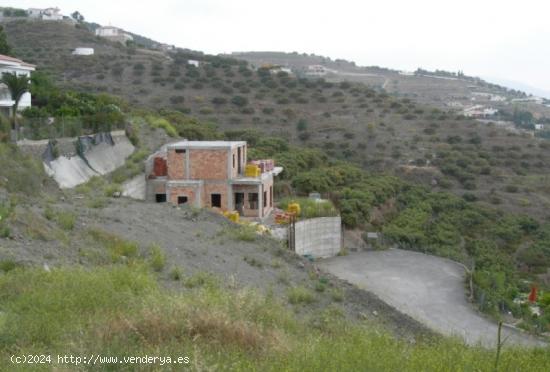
(182, 322)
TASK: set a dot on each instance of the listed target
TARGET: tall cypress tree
(5, 48)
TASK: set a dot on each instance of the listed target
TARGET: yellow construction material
(252, 170)
(233, 216)
(294, 208)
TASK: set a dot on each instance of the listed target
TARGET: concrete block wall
(319, 237)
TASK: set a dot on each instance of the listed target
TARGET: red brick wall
(188, 191)
(176, 165)
(160, 188)
(217, 188)
(208, 164)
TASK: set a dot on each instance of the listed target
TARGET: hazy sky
(493, 39)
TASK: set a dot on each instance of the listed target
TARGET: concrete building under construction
(212, 174)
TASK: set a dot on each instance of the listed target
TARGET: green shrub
(252, 261)
(301, 125)
(200, 279)
(243, 233)
(156, 122)
(176, 273)
(337, 295)
(239, 101)
(96, 202)
(511, 188)
(116, 246)
(310, 208)
(157, 257)
(112, 190)
(65, 220)
(300, 295)
(8, 265)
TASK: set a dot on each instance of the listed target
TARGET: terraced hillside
(349, 121)
(438, 88)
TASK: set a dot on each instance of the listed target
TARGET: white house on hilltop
(316, 70)
(13, 65)
(113, 34)
(48, 14)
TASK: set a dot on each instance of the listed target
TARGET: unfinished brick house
(210, 174)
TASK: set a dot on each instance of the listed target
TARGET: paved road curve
(429, 289)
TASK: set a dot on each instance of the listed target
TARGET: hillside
(442, 89)
(349, 121)
(84, 271)
(246, 300)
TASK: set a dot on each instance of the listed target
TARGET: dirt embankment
(201, 241)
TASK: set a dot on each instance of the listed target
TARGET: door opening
(182, 200)
(239, 202)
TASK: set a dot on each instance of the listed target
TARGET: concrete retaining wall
(99, 154)
(319, 237)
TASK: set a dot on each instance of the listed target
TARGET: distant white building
(534, 99)
(48, 14)
(113, 34)
(539, 126)
(193, 62)
(479, 111)
(406, 73)
(455, 104)
(277, 69)
(14, 66)
(81, 51)
(316, 70)
(166, 47)
(487, 96)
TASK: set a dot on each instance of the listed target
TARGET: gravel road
(429, 289)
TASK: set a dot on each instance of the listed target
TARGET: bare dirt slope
(195, 242)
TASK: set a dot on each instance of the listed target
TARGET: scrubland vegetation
(121, 310)
(505, 251)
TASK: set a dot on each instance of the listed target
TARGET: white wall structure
(319, 237)
(83, 51)
(14, 66)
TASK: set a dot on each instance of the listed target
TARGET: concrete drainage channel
(427, 288)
